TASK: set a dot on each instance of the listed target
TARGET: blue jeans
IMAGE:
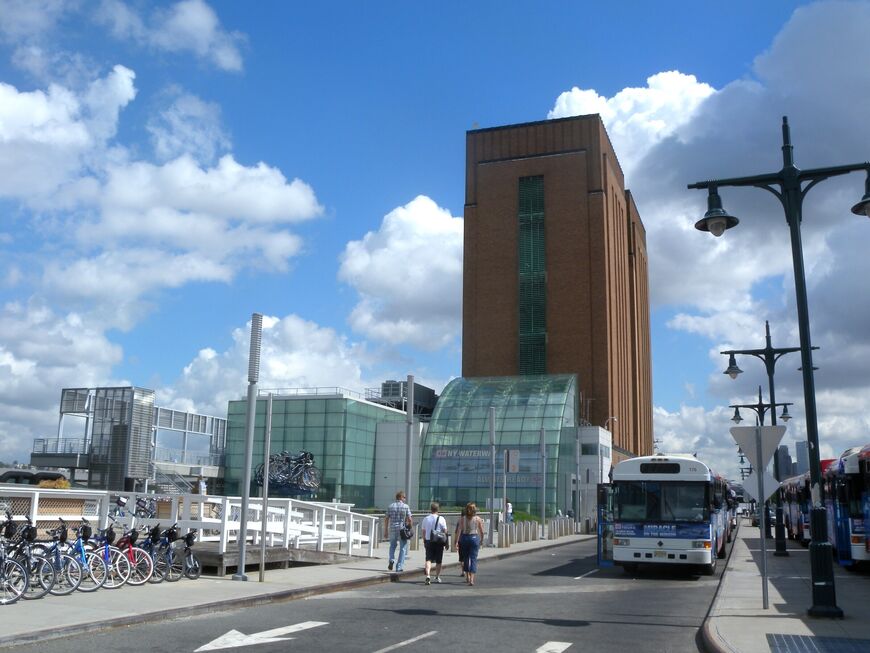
(403, 549)
(469, 546)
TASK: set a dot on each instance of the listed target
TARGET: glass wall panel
(455, 466)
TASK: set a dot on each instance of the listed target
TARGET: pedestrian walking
(434, 528)
(470, 530)
(508, 511)
(398, 517)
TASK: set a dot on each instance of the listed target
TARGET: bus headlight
(702, 544)
(621, 541)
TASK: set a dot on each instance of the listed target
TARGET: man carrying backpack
(434, 528)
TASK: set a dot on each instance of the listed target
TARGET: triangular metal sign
(745, 436)
(750, 485)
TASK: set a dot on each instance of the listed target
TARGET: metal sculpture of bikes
(293, 473)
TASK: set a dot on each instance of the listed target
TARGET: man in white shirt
(509, 511)
(434, 528)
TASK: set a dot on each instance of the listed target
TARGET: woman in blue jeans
(470, 529)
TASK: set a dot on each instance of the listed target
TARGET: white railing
(289, 522)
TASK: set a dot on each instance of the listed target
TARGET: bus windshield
(655, 501)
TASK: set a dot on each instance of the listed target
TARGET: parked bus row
(666, 508)
(846, 482)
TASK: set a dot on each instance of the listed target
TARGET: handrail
(290, 522)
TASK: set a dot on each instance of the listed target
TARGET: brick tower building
(555, 270)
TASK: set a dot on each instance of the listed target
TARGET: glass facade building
(338, 426)
(456, 467)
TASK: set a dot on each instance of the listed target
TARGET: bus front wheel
(710, 569)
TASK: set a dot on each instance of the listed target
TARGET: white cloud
(48, 138)
(409, 277)
(187, 26)
(188, 126)
(638, 118)
(42, 351)
(295, 353)
(24, 20)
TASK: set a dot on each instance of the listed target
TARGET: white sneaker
(428, 580)
(437, 579)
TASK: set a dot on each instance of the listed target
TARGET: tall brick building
(555, 270)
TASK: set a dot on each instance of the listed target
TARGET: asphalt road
(548, 601)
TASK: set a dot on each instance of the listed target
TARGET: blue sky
(168, 168)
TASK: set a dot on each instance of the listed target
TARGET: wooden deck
(277, 557)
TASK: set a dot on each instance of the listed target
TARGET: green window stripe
(532, 278)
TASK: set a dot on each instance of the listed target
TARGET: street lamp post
(769, 355)
(790, 180)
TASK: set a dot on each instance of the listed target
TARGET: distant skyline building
(784, 461)
(555, 274)
(803, 457)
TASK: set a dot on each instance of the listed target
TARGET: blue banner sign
(662, 531)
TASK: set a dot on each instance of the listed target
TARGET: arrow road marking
(553, 647)
(407, 641)
(234, 638)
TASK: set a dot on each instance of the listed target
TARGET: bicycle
(141, 565)
(68, 569)
(292, 471)
(150, 546)
(93, 565)
(13, 575)
(192, 568)
(40, 572)
(117, 565)
(166, 556)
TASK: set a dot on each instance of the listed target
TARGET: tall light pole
(409, 437)
(769, 355)
(253, 377)
(791, 191)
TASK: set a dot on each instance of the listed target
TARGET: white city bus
(669, 509)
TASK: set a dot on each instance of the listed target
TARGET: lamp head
(716, 220)
(736, 419)
(785, 416)
(863, 207)
(733, 370)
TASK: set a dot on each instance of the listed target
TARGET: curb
(235, 603)
(713, 642)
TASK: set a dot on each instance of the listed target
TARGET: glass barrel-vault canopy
(456, 461)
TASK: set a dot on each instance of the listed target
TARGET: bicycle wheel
(192, 568)
(13, 581)
(94, 573)
(159, 573)
(118, 569)
(141, 568)
(175, 566)
(311, 478)
(41, 577)
(69, 575)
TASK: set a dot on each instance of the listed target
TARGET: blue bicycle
(117, 564)
(93, 566)
(68, 570)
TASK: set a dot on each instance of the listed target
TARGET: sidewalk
(28, 621)
(737, 622)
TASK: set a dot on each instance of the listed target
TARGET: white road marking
(588, 573)
(234, 638)
(406, 642)
(553, 647)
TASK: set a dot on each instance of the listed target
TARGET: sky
(169, 168)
